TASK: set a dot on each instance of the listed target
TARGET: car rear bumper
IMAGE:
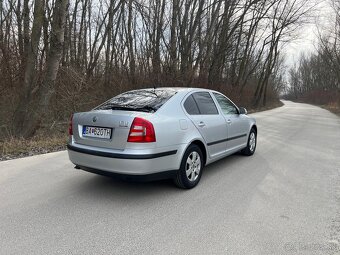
(132, 177)
(132, 162)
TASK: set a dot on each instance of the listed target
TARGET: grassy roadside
(12, 148)
(334, 108)
(266, 108)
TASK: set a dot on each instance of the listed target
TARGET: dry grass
(332, 107)
(11, 148)
(269, 106)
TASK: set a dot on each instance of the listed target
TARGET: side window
(191, 106)
(225, 104)
(205, 103)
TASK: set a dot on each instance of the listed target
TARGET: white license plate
(97, 132)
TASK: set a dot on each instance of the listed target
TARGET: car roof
(177, 89)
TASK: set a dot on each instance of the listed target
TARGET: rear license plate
(97, 132)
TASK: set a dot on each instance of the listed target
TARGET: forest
(316, 77)
(61, 56)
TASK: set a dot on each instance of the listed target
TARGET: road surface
(283, 200)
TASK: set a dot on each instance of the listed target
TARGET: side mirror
(242, 110)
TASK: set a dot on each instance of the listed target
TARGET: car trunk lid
(119, 122)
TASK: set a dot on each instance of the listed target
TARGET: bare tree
(52, 55)
(21, 115)
(317, 77)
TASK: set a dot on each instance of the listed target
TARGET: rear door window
(205, 103)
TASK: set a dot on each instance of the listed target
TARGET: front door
(236, 123)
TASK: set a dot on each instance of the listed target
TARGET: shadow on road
(94, 186)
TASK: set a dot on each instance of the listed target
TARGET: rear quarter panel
(173, 128)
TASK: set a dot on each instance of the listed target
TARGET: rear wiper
(147, 108)
(131, 108)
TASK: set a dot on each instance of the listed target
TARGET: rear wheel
(190, 171)
(251, 145)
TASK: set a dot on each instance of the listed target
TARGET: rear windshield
(146, 100)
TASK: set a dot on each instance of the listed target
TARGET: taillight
(141, 131)
(70, 126)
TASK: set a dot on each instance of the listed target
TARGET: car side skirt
(227, 139)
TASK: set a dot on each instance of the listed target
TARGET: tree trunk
(130, 37)
(173, 38)
(21, 113)
(38, 109)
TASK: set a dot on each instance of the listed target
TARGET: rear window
(146, 100)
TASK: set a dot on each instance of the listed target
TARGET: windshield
(147, 100)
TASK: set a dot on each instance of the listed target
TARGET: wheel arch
(202, 146)
(254, 127)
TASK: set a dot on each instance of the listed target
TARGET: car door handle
(229, 122)
(201, 124)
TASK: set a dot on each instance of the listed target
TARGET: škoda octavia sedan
(160, 133)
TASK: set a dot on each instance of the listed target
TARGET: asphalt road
(283, 200)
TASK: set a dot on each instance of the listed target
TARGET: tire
(190, 180)
(251, 145)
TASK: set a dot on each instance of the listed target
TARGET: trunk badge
(123, 123)
(94, 119)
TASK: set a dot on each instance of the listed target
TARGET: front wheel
(190, 171)
(251, 145)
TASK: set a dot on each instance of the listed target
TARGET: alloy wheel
(193, 166)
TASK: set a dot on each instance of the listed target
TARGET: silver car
(160, 133)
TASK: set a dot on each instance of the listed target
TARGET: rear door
(237, 124)
(212, 126)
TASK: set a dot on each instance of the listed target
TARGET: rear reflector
(141, 131)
